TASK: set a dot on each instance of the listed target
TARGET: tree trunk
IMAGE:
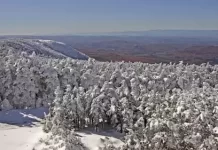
(108, 120)
(103, 124)
(92, 121)
(121, 128)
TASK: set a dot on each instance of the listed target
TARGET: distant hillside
(126, 48)
(197, 54)
(171, 33)
(43, 47)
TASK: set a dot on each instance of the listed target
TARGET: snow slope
(19, 138)
(43, 47)
(20, 129)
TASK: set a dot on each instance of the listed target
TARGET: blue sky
(96, 16)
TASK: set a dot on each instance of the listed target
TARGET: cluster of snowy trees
(26, 81)
(158, 106)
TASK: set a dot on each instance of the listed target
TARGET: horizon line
(104, 33)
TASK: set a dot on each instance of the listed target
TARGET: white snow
(20, 129)
(215, 130)
(92, 140)
(51, 41)
(47, 141)
(19, 138)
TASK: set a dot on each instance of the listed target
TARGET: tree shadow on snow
(23, 117)
(107, 131)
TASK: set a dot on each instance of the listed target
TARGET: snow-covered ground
(92, 140)
(19, 138)
(21, 130)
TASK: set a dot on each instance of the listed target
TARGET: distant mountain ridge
(146, 33)
(43, 47)
(169, 33)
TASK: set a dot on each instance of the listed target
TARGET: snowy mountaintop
(43, 47)
(51, 42)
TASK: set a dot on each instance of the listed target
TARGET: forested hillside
(157, 106)
(48, 48)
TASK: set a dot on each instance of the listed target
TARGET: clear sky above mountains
(94, 16)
